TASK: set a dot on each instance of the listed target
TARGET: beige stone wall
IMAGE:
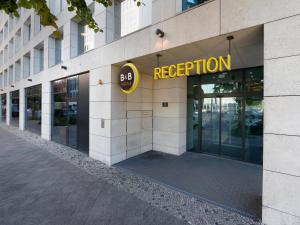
(281, 177)
(170, 122)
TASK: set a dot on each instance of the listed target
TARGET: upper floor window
(133, 17)
(1, 80)
(18, 41)
(37, 24)
(82, 38)
(27, 31)
(5, 30)
(17, 70)
(11, 24)
(1, 37)
(186, 4)
(38, 60)
(55, 46)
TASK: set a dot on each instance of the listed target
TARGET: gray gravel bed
(183, 206)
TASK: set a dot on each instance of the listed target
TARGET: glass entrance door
(225, 114)
(221, 126)
(210, 133)
(231, 127)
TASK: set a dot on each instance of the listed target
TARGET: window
(11, 48)
(55, 49)
(27, 31)
(133, 17)
(11, 24)
(37, 24)
(186, 4)
(26, 65)
(11, 75)
(5, 54)
(17, 70)
(34, 108)
(5, 81)
(5, 30)
(15, 108)
(3, 108)
(1, 37)
(18, 41)
(1, 58)
(1, 80)
(39, 58)
(82, 38)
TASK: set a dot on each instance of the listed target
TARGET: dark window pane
(15, 108)
(222, 82)
(186, 4)
(254, 130)
(34, 108)
(64, 125)
(3, 107)
(254, 80)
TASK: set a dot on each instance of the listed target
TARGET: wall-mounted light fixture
(64, 67)
(100, 82)
(29, 79)
(159, 33)
(12, 86)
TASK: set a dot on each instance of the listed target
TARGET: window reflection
(186, 4)
(3, 107)
(15, 108)
(34, 109)
(225, 114)
(65, 98)
(254, 129)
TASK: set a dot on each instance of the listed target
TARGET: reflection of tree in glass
(237, 123)
(225, 87)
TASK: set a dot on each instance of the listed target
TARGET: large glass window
(3, 108)
(65, 97)
(15, 108)
(225, 114)
(132, 17)
(34, 109)
(186, 4)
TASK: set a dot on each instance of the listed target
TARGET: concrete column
(46, 110)
(100, 114)
(281, 176)
(22, 110)
(8, 108)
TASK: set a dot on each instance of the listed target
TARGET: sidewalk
(38, 188)
(42, 182)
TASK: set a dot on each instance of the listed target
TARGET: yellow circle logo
(129, 78)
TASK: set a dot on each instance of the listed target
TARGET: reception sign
(200, 66)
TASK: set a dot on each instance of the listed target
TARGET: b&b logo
(129, 78)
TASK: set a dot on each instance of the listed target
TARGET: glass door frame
(243, 94)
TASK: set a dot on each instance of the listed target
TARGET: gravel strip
(188, 208)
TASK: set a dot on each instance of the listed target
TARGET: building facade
(67, 88)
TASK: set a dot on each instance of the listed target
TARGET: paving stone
(149, 197)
